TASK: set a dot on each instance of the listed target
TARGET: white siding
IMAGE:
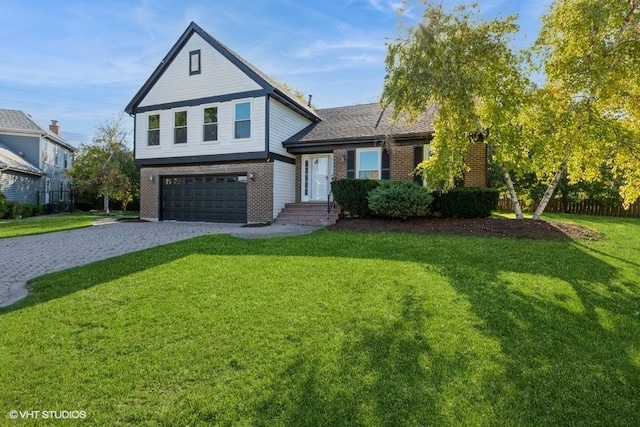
(218, 76)
(283, 124)
(284, 185)
(195, 146)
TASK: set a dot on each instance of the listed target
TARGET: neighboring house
(218, 140)
(32, 160)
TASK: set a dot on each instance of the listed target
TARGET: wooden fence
(585, 207)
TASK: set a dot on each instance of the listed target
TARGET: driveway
(24, 258)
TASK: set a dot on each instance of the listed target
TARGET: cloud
(321, 47)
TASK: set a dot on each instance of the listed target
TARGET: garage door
(215, 198)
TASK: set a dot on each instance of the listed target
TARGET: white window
(66, 160)
(242, 120)
(194, 62)
(153, 131)
(180, 127)
(368, 163)
(56, 154)
(210, 125)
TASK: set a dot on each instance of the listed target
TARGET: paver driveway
(24, 258)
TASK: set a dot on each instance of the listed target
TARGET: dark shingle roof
(19, 121)
(366, 122)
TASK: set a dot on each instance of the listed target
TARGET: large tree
(589, 113)
(106, 166)
(464, 65)
(582, 120)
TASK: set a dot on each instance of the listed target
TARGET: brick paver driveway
(24, 258)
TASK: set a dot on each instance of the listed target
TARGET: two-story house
(33, 160)
(218, 140)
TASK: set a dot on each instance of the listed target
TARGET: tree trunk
(512, 194)
(105, 199)
(550, 189)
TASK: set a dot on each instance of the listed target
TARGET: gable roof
(276, 89)
(12, 161)
(20, 122)
(361, 123)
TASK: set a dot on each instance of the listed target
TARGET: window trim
(217, 123)
(192, 54)
(235, 119)
(378, 151)
(185, 127)
(149, 130)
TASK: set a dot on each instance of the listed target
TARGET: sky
(80, 62)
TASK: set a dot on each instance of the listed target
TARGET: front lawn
(337, 329)
(44, 224)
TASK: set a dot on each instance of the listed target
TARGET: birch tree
(466, 67)
(590, 54)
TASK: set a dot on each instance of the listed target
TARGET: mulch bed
(485, 227)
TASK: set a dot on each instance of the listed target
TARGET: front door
(316, 178)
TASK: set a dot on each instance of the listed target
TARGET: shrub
(466, 202)
(399, 199)
(351, 195)
(4, 206)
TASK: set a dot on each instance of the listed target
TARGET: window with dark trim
(153, 131)
(210, 126)
(180, 127)
(243, 120)
(194, 62)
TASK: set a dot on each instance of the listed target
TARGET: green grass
(44, 224)
(50, 223)
(337, 329)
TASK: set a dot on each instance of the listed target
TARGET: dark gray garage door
(215, 198)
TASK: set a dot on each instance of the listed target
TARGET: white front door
(316, 177)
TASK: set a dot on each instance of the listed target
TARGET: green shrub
(28, 210)
(466, 202)
(399, 199)
(351, 195)
(4, 206)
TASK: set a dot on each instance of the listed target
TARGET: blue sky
(81, 62)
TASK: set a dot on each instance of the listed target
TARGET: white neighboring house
(33, 160)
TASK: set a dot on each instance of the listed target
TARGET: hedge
(465, 202)
(351, 195)
(399, 199)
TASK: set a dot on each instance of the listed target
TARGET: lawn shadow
(565, 360)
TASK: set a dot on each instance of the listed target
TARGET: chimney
(53, 127)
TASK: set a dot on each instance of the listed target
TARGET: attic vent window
(194, 62)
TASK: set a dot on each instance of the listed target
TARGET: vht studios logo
(47, 414)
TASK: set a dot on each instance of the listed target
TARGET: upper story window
(243, 120)
(194, 62)
(153, 133)
(180, 127)
(210, 126)
(56, 155)
(45, 151)
(66, 160)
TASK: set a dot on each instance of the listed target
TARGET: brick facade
(401, 159)
(259, 190)
(476, 160)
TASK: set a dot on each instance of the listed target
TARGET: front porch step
(308, 214)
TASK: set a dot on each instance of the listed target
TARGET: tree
(590, 53)
(466, 67)
(106, 167)
(583, 120)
